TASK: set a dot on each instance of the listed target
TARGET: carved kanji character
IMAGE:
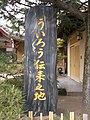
(39, 96)
(39, 87)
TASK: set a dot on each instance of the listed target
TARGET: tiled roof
(5, 33)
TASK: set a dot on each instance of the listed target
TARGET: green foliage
(11, 101)
(4, 58)
(75, 1)
(9, 67)
(3, 2)
(11, 11)
(60, 43)
(60, 48)
(17, 82)
(67, 24)
(15, 15)
(11, 90)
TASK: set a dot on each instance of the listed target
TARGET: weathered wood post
(40, 60)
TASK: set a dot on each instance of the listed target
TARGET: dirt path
(68, 104)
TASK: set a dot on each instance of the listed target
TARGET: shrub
(17, 82)
(11, 101)
(8, 67)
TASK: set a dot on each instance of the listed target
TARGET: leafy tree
(64, 7)
(11, 9)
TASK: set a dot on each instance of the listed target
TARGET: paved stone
(69, 84)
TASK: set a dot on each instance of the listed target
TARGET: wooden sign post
(40, 60)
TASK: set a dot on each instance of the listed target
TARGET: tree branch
(68, 7)
(84, 4)
(31, 3)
